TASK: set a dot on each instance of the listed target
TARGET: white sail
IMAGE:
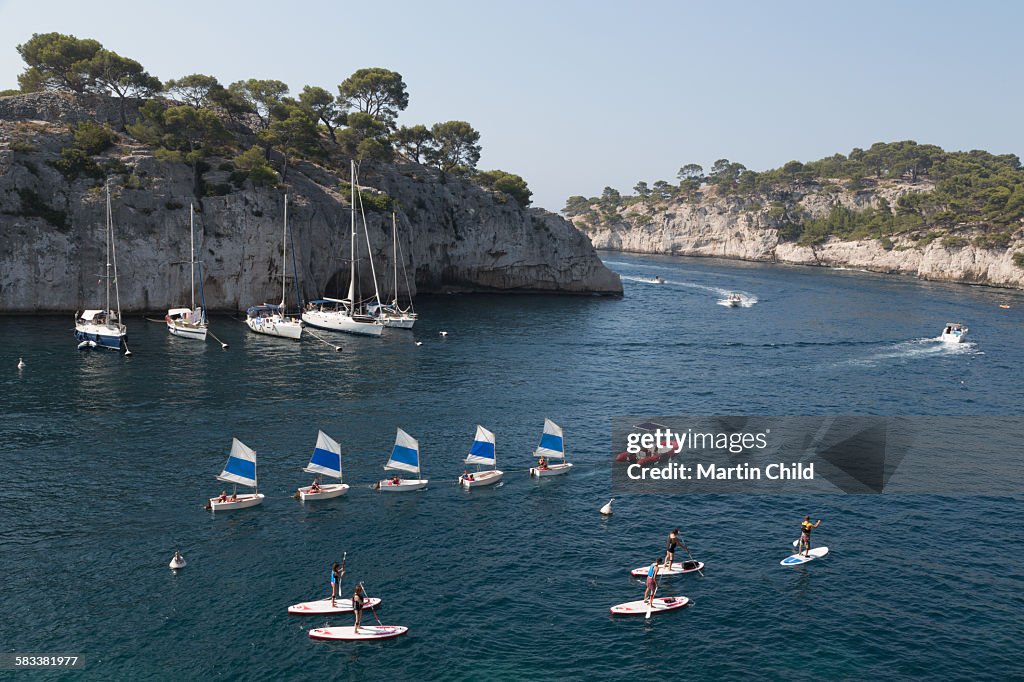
(482, 451)
(241, 465)
(326, 457)
(551, 442)
(406, 454)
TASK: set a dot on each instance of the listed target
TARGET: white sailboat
(404, 457)
(190, 323)
(482, 453)
(326, 461)
(240, 469)
(349, 314)
(273, 320)
(551, 447)
(103, 327)
(392, 314)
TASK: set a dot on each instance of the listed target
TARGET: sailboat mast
(192, 251)
(352, 267)
(113, 252)
(394, 239)
(108, 255)
(284, 256)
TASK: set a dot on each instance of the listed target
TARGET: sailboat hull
(398, 321)
(187, 331)
(101, 335)
(283, 328)
(404, 485)
(481, 478)
(326, 492)
(341, 323)
(551, 470)
(243, 501)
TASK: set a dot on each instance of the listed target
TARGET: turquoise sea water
(106, 462)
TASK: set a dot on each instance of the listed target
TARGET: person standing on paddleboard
(805, 534)
(336, 574)
(670, 552)
(357, 606)
(652, 581)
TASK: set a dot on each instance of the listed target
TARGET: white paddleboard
(798, 559)
(348, 632)
(640, 607)
(678, 568)
(322, 606)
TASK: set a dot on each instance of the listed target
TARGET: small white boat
(326, 460)
(481, 453)
(190, 323)
(734, 299)
(658, 280)
(404, 457)
(953, 332)
(273, 320)
(240, 469)
(551, 447)
(103, 328)
(177, 561)
(392, 314)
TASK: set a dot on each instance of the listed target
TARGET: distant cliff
(455, 235)
(764, 225)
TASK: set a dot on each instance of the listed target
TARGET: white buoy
(177, 561)
(419, 343)
(21, 364)
(443, 333)
(607, 509)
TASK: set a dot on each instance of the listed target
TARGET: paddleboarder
(652, 581)
(336, 573)
(357, 605)
(805, 534)
(671, 544)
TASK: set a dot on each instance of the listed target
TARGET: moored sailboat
(190, 323)
(392, 314)
(240, 469)
(551, 447)
(325, 461)
(273, 320)
(482, 453)
(405, 456)
(103, 327)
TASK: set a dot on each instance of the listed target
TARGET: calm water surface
(106, 462)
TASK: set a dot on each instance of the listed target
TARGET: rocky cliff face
(454, 235)
(747, 228)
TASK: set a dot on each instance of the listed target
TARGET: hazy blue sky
(577, 95)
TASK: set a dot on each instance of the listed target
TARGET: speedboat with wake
(953, 332)
(734, 299)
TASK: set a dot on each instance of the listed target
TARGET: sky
(575, 95)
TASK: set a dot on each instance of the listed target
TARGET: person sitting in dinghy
(223, 496)
(396, 480)
(315, 487)
(542, 463)
(466, 476)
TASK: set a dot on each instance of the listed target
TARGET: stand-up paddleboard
(640, 607)
(348, 632)
(323, 606)
(678, 568)
(798, 559)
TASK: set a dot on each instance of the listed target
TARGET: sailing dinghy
(481, 453)
(239, 470)
(326, 461)
(404, 457)
(551, 447)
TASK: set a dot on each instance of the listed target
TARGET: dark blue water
(106, 462)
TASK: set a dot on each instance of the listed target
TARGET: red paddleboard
(348, 632)
(323, 606)
(678, 568)
(640, 607)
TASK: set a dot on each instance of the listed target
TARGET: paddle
(691, 559)
(372, 610)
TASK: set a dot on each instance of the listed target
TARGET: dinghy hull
(326, 492)
(403, 486)
(550, 470)
(481, 478)
(243, 502)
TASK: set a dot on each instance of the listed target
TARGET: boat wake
(918, 349)
(722, 294)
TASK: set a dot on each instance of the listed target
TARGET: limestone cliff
(753, 228)
(454, 235)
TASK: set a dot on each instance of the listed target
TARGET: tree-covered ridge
(945, 191)
(254, 127)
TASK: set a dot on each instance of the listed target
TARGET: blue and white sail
(551, 442)
(406, 454)
(241, 465)
(326, 457)
(482, 451)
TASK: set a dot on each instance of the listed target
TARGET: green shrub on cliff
(507, 183)
(251, 165)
